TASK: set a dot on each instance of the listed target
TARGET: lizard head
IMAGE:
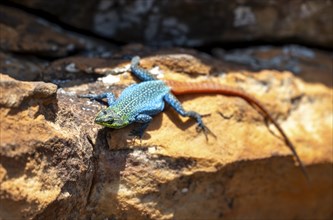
(109, 118)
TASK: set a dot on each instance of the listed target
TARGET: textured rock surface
(42, 163)
(21, 67)
(55, 163)
(196, 23)
(309, 64)
(175, 171)
(28, 44)
(51, 41)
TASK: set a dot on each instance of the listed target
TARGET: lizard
(139, 102)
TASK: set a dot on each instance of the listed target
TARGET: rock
(175, 174)
(76, 13)
(15, 94)
(22, 67)
(307, 63)
(80, 69)
(75, 69)
(198, 23)
(42, 163)
(20, 30)
(57, 164)
(24, 58)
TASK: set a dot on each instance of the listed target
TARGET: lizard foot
(139, 131)
(205, 130)
(137, 134)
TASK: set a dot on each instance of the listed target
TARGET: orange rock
(39, 158)
(175, 174)
(65, 166)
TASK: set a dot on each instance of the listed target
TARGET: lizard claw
(205, 130)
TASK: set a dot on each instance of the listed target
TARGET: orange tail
(179, 88)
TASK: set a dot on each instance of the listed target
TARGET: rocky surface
(309, 64)
(22, 67)
(55, 163)
(197, 23)
(28, 44)
(41, 161)
(52, 42)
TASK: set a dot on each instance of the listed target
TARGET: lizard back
(141, 98)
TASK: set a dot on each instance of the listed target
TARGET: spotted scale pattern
(142, 98)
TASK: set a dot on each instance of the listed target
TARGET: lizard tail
(210, 87)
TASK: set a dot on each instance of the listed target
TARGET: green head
(109, 118)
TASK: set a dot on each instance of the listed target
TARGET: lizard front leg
(175, 104)
(109, 97)
(144, 119)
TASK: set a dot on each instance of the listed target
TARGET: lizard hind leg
(175, 104)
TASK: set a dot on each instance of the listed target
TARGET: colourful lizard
(139, 102)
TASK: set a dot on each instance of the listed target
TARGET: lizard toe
(205, 130)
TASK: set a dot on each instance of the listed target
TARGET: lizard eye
(104, 112)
